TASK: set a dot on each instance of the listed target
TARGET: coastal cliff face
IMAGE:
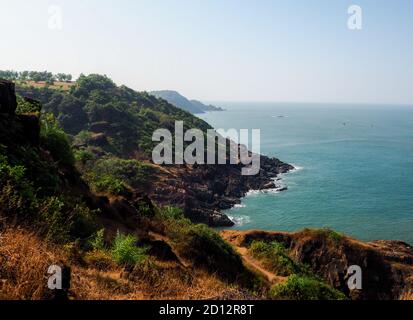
(204, 190)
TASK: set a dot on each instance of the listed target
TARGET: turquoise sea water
(355, 168)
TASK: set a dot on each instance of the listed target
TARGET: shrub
(172, 213)
(125, 252)
(83, 156)
(305, 288)
(54, 224)
(98, 241)
(17, 194)
(202, 245)
(54, 139)
(84, 220)
(109, 184)
(57, 218)
(132, 172)
(327, 234)
(27, 106)
(275, 257)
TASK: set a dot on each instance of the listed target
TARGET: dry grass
(407, 296)
(57, 85)
(24, 260)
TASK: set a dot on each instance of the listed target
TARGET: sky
(221, 50)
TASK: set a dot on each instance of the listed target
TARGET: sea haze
(355, 167)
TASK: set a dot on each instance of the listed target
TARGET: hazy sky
(236, 50)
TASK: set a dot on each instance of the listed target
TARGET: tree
(9, 75)
(24, 76)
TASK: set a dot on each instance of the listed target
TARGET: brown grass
(24, 261)
(57, 85)
(407, 296)
(25, 258)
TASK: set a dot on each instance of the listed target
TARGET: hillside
(179, 101)
(111, 131)
(117, 247)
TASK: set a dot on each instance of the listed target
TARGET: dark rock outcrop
(16, 129)
(8, 102)
(204, 190)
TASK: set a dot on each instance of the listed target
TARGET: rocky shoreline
(203, 191)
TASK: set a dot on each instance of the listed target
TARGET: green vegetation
(111, 175)
(34, 76)
(300, 287)
(326, 233)
(125, 251)
(108, 125)
(126, 117)
(275, 257)
(122, 251)
(27, 106)
(54, 139)
(98, 241)
(109, 185)
(301, 284)
(56, 217)
(200, 244)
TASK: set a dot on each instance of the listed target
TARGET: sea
(354, 167)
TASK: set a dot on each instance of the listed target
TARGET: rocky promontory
(204, 190)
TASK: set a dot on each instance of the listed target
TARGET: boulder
(8, 102)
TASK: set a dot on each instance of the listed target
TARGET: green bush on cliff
(275, 257)
(327, 234)
(109, 184)
(132, 172)
(115, 176)
(305, 288)
(17, 194)
(57, 218)
(172, 213)
(98, 240)
(26, 106)
(201, 244)
(54, 139)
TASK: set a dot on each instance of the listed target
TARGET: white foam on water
(240, 220)
(253, 192)
(297, 168)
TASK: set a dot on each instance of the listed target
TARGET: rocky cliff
(204, 191)
(387, 266)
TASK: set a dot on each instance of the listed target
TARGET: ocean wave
(253, 192)
(240, 220)
(296, 168)
(239, 206)
(266, 191)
